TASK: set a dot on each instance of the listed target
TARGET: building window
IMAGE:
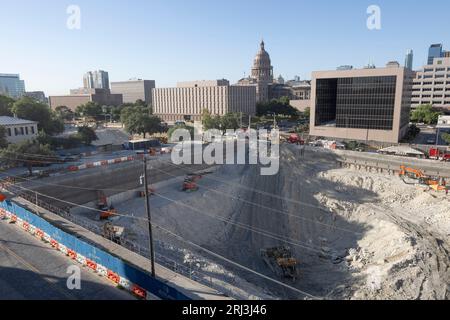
(32, 130)
(22, 132)
(9, 132)
(26, 130)
(16, 131)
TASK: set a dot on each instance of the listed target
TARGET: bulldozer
(281, 261)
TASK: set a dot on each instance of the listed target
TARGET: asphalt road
(31, 270)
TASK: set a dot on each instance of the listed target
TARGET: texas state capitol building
(189, 99)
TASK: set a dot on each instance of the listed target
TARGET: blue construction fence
(133, 274)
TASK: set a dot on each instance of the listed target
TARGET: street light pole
(147, 208)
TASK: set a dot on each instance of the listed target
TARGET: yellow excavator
(281, 261)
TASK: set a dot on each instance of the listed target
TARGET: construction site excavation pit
(354, 234)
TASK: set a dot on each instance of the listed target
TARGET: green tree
(174, 128)
(426, 114)
(3, 141)
(6, 104)
(137, 120)
(230, 121)
(307, 113)
(28, 153)
(209, 122)
(90, 109)
(87, 135)
(446, 137)
(276, 106)
(64, 113)
(30, 109)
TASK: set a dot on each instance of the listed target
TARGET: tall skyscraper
(11, 85)
(409, 59)
(96, 80)
(435, 51)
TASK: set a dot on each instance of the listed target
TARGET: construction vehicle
(280, 261)
(295, 139)
(113, 233)
(432, 182)
(190, 182)
(106, 211)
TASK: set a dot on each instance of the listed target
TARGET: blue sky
(177, 40)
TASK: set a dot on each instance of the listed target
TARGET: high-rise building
(432, 85)
(134, 90)
(409, 59)
(96, 80)
(188, 100)
(11, 85)
(361, 104)
(434, 52)
(37, 95)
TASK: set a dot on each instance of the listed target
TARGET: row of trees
(227, 121)
(279, 106)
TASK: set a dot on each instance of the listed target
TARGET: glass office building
(11, 85)
(366, 104)
(435, 51)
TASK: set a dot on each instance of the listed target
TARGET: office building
(37, 95)
(434, 52)
(432, 85)
(82, 96)
(409, 59)
(134, 90)
(361, 104)
(11, 85)
(188, 100)
(18, 130)
(96, 80)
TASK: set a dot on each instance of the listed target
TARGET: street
(31, 269)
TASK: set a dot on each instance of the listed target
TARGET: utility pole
(147, 207)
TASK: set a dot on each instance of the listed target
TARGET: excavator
(107, 211)
(280, 261)
(423, 179)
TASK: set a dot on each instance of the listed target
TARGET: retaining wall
(129, 277)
